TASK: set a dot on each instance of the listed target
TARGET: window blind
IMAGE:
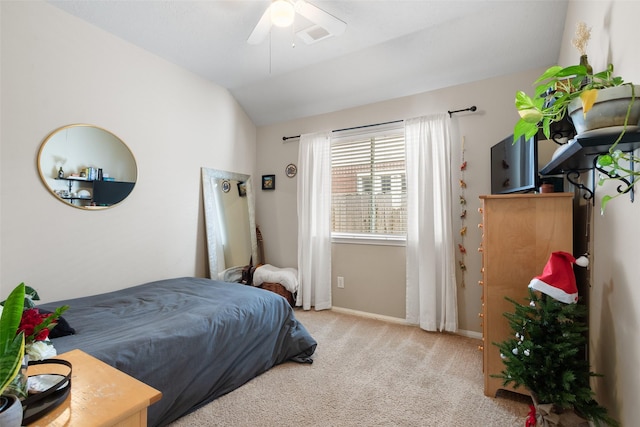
(369, 191)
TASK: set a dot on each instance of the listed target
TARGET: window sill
(368, 239)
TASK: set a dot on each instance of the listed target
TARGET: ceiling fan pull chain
(270, 44)
(293, 34)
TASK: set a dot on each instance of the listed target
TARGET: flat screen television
(107, 193)
(514, 167)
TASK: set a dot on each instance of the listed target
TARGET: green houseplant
(574, 91)
(556, 89)
(24, 331)
(11, 342)
(11, 353)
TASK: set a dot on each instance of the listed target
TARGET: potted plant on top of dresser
(11, 355)
(597, 104)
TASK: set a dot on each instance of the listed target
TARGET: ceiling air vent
(313, 34)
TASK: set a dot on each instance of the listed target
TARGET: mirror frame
(78, 125)
(212, 219)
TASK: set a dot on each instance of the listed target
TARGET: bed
(193, 339)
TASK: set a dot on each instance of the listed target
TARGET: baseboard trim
(397, 320)
(470, 334)
(370, 315)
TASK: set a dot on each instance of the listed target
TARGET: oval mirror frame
(99, 170)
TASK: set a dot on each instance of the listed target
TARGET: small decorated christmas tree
(546, 352)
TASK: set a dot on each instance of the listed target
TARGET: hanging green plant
(573, 91)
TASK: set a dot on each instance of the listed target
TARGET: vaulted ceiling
(390, 49)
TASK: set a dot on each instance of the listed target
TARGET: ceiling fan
(281, 13)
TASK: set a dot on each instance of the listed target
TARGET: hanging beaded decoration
(463, 216)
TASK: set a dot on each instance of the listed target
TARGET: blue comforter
(193, 339)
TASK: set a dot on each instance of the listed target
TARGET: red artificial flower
(35, 325)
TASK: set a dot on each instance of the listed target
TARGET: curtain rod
(284, 138)
(472, 108)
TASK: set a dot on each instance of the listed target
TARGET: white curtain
(314, 221)
(431, 282)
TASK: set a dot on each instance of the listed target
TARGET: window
(369, 190)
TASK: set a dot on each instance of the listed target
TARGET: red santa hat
(557, 279)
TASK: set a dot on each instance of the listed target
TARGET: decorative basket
(55, 390)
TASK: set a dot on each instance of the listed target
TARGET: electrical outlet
(340, 282)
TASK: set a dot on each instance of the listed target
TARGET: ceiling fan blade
(320, 17)
(261, 29)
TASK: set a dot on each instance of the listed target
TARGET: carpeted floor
(368, 372)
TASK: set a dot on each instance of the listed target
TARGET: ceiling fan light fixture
(282, 13)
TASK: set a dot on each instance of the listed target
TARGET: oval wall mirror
(87, 167)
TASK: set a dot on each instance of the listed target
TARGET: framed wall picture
(268, 182)
(242, 189)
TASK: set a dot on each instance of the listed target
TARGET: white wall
(58, 70)
(384, 268)
(614, 322)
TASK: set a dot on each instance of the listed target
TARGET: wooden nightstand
(100, 395)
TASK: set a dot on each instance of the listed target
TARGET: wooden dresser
(100, 395)
(519, 232)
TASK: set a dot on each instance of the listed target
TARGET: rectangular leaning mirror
(230, 222)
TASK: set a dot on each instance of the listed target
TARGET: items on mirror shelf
(65, 194)
(93, 174)
(87, 174)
